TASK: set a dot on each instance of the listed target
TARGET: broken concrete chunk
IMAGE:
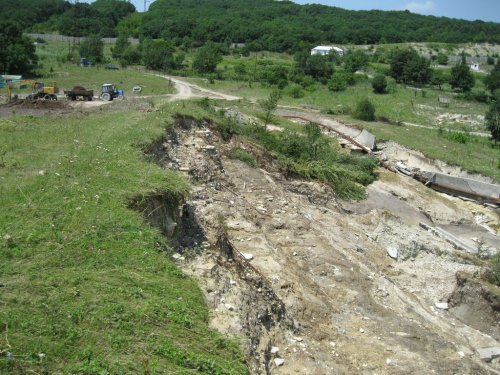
(392, 251)
(442, 305)
(279, 361)
(488, 354)
(247, 256)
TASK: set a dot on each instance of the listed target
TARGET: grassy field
(87, 287)
(55, 68)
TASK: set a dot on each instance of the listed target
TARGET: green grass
(55, 68)
(244, 156)
(86, 286)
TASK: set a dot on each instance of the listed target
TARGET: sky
(486, 10)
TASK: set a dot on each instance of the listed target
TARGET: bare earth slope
(306, 280)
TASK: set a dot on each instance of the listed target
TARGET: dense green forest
(80, 19)
(262, 24)
(286, 26)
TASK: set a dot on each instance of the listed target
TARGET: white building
(475, 67)
(325, 50)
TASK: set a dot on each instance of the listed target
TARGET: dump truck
(79, 92)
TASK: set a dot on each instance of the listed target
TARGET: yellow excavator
(40, 91)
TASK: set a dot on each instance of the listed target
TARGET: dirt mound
(37, 104)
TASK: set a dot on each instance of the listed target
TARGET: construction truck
(40, 91)
(79, 92)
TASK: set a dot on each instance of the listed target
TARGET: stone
(279, 361)
(361, 330)
(488, 354)
(392, 252)
(442, 305)
(229, 307)
(274, 350)
(247, 256)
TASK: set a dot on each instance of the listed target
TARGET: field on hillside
(54, 67)
(87, 285)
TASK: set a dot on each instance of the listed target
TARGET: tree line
(261, 24)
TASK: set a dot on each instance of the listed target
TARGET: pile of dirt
(34, 107)
(38, 104)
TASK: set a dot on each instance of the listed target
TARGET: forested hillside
(261, 24)
(284, 25)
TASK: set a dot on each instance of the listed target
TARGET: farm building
(325, 50)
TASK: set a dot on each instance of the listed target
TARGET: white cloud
(424, 7)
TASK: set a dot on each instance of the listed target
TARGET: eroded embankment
(306, 281)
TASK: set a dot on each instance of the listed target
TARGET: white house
(325, 50)
(475, 67)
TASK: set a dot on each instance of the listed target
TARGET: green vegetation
(309, 154)
(87, 286)
(365, 110)
(461, 77)
(286, 26)
(493, 119)
(17, 53)
(207, 58)
(408, 67)
(244, 156)
(493, 275)
(92, 48)
(379, 84)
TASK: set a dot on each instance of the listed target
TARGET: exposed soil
(303, 277)
(34, 107)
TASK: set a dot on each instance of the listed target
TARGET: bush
(493, 275)
(338, 82)
(294, 90)
(244, 156)
(365, 110)
(458, 137)
(379, 84)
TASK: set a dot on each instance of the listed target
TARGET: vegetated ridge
(262, 24)
(286, 26)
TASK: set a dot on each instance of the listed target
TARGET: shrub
(458, 137)
(243, 155)
(494, 271)
(365, 110)
(294, 90)
(379, 84)
(338, 82)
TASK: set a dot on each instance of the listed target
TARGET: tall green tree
(207, 58)
(92, 48)
(17, 52)
(408, 67)
(493, 119)
(461, 76)
(159, 55)
(492, 81)
(122, 43)
(355, 61)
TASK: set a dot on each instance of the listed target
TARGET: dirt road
(186, 90)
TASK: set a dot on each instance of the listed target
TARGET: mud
(286, 266)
